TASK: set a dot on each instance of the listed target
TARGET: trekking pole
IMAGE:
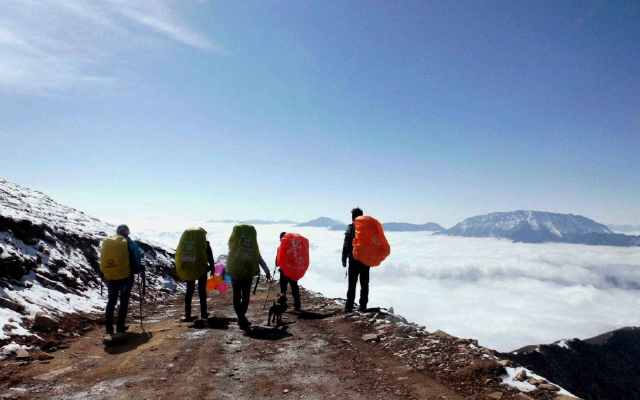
(256, 286)
(140, 298)
(266, 299)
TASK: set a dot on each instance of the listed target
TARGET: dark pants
(295, 290)
(120, 289)
(358, 270)
(202, 294)
(241, 297)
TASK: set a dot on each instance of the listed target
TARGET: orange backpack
(370, 246)
(293, 256)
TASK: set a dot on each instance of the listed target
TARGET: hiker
(242, 264)
(202, 290)
(356, 268)
(119, 261)
(285, 281)
(194, 258)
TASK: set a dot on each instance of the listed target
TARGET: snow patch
(510, 380)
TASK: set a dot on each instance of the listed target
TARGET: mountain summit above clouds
(538, 226)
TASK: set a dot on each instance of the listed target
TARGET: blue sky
(158, 112)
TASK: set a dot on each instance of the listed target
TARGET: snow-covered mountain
(49, 259)
(539, 226)
(626, 229)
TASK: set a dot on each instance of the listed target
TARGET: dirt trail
(319, 356)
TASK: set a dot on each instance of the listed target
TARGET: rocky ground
(321, 353)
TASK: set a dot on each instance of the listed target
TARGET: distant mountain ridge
(630, 229)
(252, 221)
(321, 222)
(335, 225)
(408, 227)
(539, 226)
(605, 367)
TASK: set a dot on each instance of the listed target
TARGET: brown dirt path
(314, 358)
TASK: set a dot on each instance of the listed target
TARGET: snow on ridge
(21, 203)
(510, 380)
(49, 264)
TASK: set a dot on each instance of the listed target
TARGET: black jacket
(210, 257)
(347, 247)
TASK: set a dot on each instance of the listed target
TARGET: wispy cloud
(162, 22)
(60, 44)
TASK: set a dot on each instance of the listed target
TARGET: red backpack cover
(370, 246)
(293, 256)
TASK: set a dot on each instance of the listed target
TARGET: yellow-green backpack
(191, 254)
(114, 258)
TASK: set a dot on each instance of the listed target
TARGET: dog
(277, 309)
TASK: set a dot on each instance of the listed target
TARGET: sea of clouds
(506, 295)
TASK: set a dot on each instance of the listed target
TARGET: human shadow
(213, 323)
(311, 315)
(265, 333)
(129, 341)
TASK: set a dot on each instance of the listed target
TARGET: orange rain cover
(293, 256)
(370, 246)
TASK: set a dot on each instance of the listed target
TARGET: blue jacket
(135, 257)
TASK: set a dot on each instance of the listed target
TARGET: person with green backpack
(194, 259)
(242, 264)
(120, 259)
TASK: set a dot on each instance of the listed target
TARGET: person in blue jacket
(121, 289)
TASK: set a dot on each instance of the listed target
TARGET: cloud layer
(505, 294)
(58, 44)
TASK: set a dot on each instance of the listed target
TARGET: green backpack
(191, 254)
(244, 255)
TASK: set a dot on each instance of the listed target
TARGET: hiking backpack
(293, 256)
(370, 246)
(114, 258)
(191, 254)
(244, 254)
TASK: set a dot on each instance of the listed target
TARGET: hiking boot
(245, 325)
(188, 319)
(122, 329)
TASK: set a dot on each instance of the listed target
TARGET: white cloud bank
(58, 44)
(505, 294)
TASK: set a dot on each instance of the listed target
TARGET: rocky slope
(538, 227)
(48, 265)
(605, 367)
(320, 353)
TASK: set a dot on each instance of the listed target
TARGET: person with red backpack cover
(285, 281)
(357, 270)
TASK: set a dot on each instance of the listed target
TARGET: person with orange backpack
(365, 246)
(357, 270)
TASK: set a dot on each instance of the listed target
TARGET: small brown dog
(277, 309)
